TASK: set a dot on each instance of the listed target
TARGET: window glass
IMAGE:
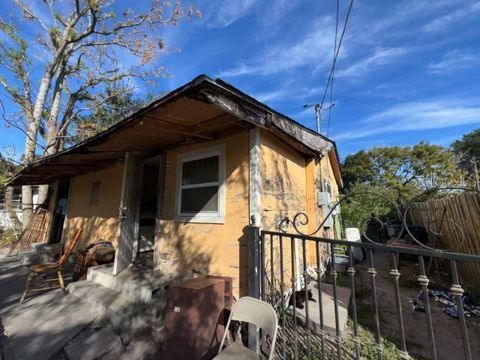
(201, 199)
(200, 171)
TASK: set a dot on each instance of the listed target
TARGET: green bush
(7, 237)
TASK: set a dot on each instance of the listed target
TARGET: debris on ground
(446, 298)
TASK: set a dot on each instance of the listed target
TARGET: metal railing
(282, 296)
(291, 264)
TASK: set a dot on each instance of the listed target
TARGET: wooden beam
(176, 128)
(306, 138)
(99, 164)
(241, 111)
(306, 141)
(213, 123)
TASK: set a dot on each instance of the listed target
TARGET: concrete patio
(53, 325)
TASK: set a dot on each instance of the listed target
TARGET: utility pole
(318, 116)
(318, 113)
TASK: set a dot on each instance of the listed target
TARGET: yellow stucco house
(185, 175)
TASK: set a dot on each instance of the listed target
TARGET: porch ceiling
(201, 110)
(180, 122)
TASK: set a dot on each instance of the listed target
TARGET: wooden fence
(453, 223)
(35, 232)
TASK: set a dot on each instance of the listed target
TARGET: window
(94, 193)
(201, 192)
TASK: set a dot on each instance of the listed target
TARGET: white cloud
(380, 57)
(443, 22)
(313, 50)
(229, 12)
(415, 116)
(454, 60)
(271, 95)
(292, 91)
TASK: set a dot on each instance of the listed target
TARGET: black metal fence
(291, 264)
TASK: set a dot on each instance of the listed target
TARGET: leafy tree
(467, 150)
(403, 170)
(7, 169)
(116, 102)
(71, 52)
(359, 209)
(385, 176)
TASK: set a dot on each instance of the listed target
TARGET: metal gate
(293, 263)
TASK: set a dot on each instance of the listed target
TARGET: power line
(332, 69)
(333, 74)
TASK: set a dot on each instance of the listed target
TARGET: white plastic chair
(258, 313)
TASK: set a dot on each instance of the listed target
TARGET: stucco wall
(99, 222)
(290, 183)
(283, 180)
(214, 248)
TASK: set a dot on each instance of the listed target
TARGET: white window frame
(217, 217)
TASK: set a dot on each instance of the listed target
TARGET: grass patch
(368, 345)
(7, 237)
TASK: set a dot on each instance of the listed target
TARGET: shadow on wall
(94, 229)
(282, 194)
(208, 247)
(182, 255)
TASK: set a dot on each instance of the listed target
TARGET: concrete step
(134, 289)
(102, 299)
(129, 316)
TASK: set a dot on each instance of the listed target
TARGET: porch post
(253, 245)
(252, 233)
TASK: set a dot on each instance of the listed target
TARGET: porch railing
(288, 265)
(278, 282)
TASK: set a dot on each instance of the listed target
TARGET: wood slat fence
(35, 232)
(453, 223)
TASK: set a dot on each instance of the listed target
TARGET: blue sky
(408, 70)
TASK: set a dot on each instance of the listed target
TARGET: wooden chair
(43, 270)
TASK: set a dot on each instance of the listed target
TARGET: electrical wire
(333, 74)
(332, 69)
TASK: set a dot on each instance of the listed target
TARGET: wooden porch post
(252, 232)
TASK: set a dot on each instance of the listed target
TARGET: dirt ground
(447, 331)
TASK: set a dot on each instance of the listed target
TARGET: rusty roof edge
(197, 81)
(258, 103)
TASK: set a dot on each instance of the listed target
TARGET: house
(185, 175)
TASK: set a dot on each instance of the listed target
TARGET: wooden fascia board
(240, 111)
(303, 136)
(308, 142)
(335, 163)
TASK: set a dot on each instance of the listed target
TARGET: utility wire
(333, 74)
(332, 69)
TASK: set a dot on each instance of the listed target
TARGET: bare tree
(77, 47)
